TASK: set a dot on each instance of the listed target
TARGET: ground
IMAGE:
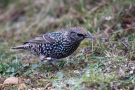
(106, 63)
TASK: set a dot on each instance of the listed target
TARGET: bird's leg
(54, 66)
(50, 60)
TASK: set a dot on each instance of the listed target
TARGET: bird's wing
(42, 39)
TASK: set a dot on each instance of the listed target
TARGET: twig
(95, 8)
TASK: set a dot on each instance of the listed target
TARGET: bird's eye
(80, 34)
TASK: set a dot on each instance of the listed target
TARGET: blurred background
(23, 19)
(111, 22)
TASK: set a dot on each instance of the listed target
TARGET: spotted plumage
(59, 44)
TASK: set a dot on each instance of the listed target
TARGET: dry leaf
(1, 86)
(37, 89)
(48, 85)
(11, 80)
(22, 86)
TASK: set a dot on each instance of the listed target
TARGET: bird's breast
(64, 48)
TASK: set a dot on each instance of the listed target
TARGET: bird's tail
(24, 46)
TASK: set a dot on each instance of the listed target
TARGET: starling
(55, 45)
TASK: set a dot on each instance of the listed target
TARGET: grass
(108, 62)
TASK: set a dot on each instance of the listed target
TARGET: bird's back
(62, 47)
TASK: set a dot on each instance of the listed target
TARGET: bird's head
(79, 33)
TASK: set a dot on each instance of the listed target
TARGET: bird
(56, 45)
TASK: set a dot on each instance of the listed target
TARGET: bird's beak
(88, 36)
